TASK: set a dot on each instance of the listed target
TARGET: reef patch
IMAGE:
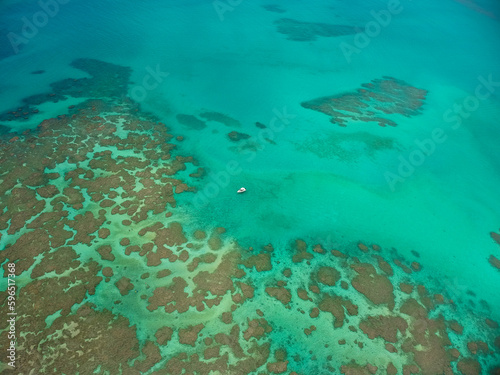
(374, 102)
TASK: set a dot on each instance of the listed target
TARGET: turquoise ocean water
(311, 179)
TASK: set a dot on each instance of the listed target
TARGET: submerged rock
(236, 136)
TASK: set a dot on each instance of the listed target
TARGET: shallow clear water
(306, 177)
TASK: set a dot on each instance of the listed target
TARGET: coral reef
(372, 103)
(112, 278)
(106, 81)
(494, 261)
(237, 136)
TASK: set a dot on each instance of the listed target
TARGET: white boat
(242, 190)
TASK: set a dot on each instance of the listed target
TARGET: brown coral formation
(107, 223)
(124, 285)
(163, 335)
(301, 252)
(36, 217)
(328, 276)
(281, 294)
(372, 103)
(468, 366)
(494, 261)
(377, 288)
(386, 327)
(188, 336)
(82, 342)
(237, 136)
(257, 328)
(355, 369)
(338, 308)
(495, 237)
